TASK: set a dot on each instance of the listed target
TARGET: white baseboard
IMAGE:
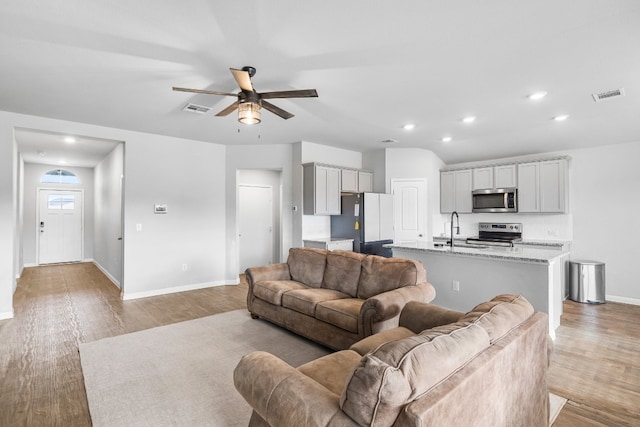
(624, 300)
(106, 273)
(6, 315)
(135, 295)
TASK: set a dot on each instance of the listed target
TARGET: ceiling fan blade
(243, 79)
(206, 92)
(228, 110)
(302, 93)
(276, 110)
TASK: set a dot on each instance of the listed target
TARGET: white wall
(276, 157)
(404, 163)
(375, 161)
(32, 174)
(186, 175)
(107, 249)
(9, 160)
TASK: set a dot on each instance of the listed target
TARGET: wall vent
(195, 108)
(602, 96)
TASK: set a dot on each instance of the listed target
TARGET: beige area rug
(181, 374)
(555, 406)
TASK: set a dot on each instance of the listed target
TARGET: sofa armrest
(283, 396)
(382, 311)
(268, 272)
(419, 316)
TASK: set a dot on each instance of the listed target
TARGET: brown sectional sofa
(335, 297)
(487, 367)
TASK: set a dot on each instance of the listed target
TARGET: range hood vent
(602, 96)
(195, 108)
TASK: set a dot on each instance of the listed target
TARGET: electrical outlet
(455, 285)
(184, 267)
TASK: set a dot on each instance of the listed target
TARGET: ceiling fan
(249, 102)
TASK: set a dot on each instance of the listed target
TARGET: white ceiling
(376, 65)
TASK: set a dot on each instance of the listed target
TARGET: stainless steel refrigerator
(367, 218)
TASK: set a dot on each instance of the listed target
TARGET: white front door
(255, 226)
(59, 226)
(409, 208)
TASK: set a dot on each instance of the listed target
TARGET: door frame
(37, 223)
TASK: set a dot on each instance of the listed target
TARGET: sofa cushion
(342, 313)
(343, 271)
(271, 291)
(306, 265)
(305, 300)
(500, 315)
(332, 370)
(398, 372)
(381, 274)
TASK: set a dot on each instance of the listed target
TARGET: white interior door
(255, 226)
(409, 209)
(59, 226)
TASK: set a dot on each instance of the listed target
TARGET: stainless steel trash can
(587, 281)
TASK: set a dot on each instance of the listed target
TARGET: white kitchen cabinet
(455, 191)
(321, 189)
(505, 176)
(482, 178)
(542, 187)
(365, 181)
(349, 180)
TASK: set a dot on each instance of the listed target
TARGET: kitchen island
(466, 276)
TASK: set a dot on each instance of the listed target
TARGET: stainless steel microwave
(495, 200)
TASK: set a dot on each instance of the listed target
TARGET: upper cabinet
(455, 191)
(349, 180)
(365, 181)
(321, 189)
(322, 185)
(503, 176)
(542, 186)
(356, 181)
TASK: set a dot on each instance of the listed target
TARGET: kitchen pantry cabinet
(503, 176)
(321, 189)
(455, 191)
(542, 186)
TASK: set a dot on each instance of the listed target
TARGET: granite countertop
(531, 255)
(550, 243)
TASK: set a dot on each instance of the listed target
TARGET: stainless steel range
(497, 234)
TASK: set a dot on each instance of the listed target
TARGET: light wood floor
(596, 361)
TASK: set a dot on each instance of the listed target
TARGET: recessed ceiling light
(469, 119)
(447, 139)
(69, 139)
(409, 126)
(62, 162)
(537, 95)
(561, 118)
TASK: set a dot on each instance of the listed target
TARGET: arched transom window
(59, 176)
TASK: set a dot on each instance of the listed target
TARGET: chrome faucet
(457, 226)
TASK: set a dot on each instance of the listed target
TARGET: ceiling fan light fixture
(249, 113)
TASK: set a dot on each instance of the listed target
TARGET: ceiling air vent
(390, 141)
(608, 95)
(194, 108)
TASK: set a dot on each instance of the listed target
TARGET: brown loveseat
(487, 368)
(336, 297)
